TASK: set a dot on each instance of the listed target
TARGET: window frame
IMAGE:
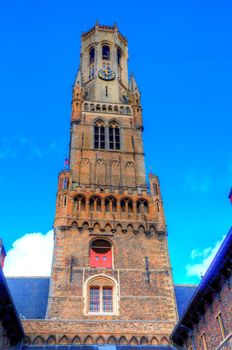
(221, 325)
(204, 342)
(104, 55)
(102, 282)
(114, 137)
(101, 304)
(91, 56)
(99, 135)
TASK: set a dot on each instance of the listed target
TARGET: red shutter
(101, 259)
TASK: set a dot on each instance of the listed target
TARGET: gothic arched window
(99, 135)
(95, 204)
(105, 52)
(142, 206)
(79, 203)
(114, 136)
(126, 205)
(91, 55)
(119, 56)
(111, 204)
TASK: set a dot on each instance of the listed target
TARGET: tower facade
(111, 278)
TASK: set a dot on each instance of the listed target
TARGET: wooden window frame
(102, 282)
(204, 342)
(221, 325)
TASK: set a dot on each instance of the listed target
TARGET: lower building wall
(79, 332)
(216, 337)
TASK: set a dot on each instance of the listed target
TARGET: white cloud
(31, 255)
(205, 256)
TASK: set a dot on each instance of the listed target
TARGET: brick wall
(208, 324)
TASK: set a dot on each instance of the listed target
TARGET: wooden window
(100, 254)
(107, 296)
(204, 343)
(94, 298)
(221, 325)
(101, 299)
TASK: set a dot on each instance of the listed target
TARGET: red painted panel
(101, 259)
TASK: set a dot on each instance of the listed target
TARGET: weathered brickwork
(89, 332)
(209, 323)
(103, 195)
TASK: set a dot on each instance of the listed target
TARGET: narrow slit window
(106, 91)
(105, 52)
(119, 56)
(91, 55)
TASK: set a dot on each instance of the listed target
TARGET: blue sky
(181, 55)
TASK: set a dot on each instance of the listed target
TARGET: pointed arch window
(114, 136)
(91, 55)
(79, 203)
(105, 52)
(95, 204)
(99, 135)
(119, 56)
(142, 207)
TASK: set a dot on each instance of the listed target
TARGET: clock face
(106, 74)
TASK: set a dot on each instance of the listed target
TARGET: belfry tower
(111, 278)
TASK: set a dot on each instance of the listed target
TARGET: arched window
(65, 183)
(101, 254)
(130, 206)
(99, 135)
(79, 203)
(119, 56)
(91, 55)
(121, 110)
(105, 52)
(126, 205)
(142, 206)
(157, 206)
(107, 205)
(123, 206)
(101, 295)
(114, 136)
(111, 204)
(95, 204)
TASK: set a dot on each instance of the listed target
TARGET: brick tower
(111, 278)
